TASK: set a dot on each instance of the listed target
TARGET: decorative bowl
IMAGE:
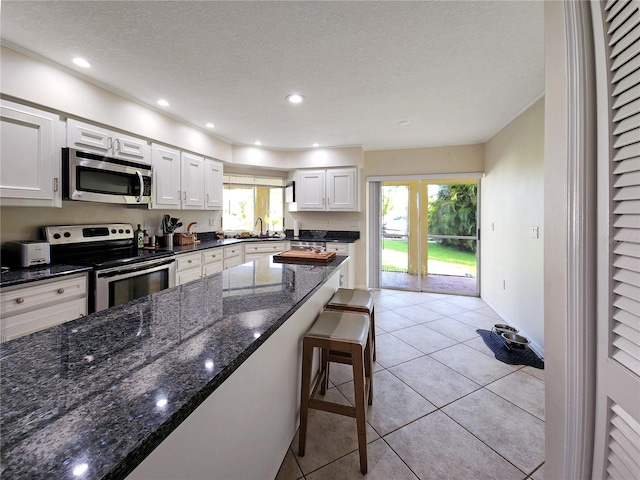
(318, 233)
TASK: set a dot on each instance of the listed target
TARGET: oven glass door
(121, 285)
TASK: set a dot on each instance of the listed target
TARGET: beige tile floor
(443, 406)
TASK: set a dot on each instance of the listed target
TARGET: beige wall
(19, 223)
(511, 204)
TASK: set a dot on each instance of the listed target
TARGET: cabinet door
(192, 179)
(310, 190)
(187, 276)
(25, 323)
(131, 148)
(213, 185)
(342, 189)
(166, 177)
(89, 138)
(30, 148)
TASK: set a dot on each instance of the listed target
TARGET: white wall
(511, 204)
(556, 239)
(43, 85)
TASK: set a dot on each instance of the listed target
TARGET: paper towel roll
(296, 228)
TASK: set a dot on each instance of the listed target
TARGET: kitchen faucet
(259, 220)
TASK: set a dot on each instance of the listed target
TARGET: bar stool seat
(353, 300)
(349, 333)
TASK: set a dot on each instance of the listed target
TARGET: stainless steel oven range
(121, 272)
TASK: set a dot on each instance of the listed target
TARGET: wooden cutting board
(304, 256)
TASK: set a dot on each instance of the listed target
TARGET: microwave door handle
(139, 197)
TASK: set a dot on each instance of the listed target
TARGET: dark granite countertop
(98, 394)
(206, 243)
(17, 276)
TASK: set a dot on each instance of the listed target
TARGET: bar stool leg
(324, 366)
(357, 356)
(307, 359)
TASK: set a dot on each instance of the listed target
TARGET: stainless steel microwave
(93, 178)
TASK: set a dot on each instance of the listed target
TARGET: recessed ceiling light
(258, 142)
(316, 145)
(295, 98)
(210, 125)
(81, 62)
(163, 103)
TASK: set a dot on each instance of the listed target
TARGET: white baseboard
(537, 349)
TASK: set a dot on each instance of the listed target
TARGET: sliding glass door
(429, 236)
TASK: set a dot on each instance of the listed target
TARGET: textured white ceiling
(457, 71)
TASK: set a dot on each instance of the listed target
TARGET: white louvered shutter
(617, 430)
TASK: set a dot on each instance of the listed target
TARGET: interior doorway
(429, 235)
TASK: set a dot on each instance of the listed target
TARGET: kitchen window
(247, 197)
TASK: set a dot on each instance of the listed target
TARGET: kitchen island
(212, 366)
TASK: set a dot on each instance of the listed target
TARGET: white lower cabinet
(212, 261)
(39, 305)
(254, 251)
(347, 272)
(188, 267)
(233, 256)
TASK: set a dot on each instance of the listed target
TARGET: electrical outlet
(535, 232)
(147, 226)
(212, 221)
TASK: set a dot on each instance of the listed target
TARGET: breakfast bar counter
(93, 398)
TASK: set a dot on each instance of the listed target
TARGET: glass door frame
(375, 221)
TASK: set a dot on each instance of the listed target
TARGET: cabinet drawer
(15, 300)
(211, 268)
(266, 248)
(29, 322)
(232, 262)
(340, 248)
(188, 260)
(234, 251)
(212, 256)
(188, 275)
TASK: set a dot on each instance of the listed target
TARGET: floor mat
(513, 356)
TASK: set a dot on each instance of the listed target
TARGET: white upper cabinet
(182, 180)
(342, 189)
(91, 138)
(310, 191)
(213, 185)
(192, 176)
(332, 190)
(166, 177)
(31, 144)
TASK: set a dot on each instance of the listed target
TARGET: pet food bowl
(504, 328)
(514, 340)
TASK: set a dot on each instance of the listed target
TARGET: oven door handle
(138, 268)
(141, 181)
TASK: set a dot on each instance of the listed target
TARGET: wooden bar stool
(342, 332)
(352, 300)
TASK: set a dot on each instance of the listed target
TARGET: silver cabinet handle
(19, 300)
(81, 315)
(61, 290)
(141, 182)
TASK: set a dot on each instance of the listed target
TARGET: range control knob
(67, 234)
(127, 231)
(113, 230)
(120, 231)
(56, 236)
